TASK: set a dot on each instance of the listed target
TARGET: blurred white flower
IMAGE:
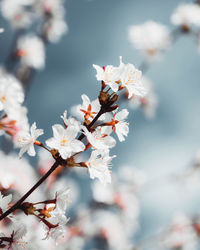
(31, 51)
(64, 141)
(187, 14)
(4, 201)
(13, 170)
(132, 177)
(16, 12)
(15, 122)
(149, 102)
(18, 232)
(180, 234)
(62, 199)
(55, 29)
(50, 7)
(108, 225)
(151, 38)
(103, 193)
(11, 93)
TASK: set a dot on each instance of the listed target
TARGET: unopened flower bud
(110, 109)
(185, 28)
(104, 98)
(28, 208)
(54, 153)
(113, 99)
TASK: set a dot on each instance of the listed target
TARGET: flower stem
(101, 111)
(17, 205)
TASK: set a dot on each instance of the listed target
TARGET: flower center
(63, 142)
(3, 98)
(22, 53)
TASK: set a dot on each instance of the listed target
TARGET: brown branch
(17, 205)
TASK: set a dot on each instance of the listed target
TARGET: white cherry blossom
(88, 109)
(30, 50)
(11, 92)
(26, 140)
(98, 165)
(130, 77)
(55, 29)
(71, 121)
(64, 141)
(108, 74)
(16, 12)
(150, 37)
(98, 139)
(118, 123)
(187, 14)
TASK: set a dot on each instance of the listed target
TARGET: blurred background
(161, 147)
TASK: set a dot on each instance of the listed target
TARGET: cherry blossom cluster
(26, 56)
(46, 19)
(13, 114)
(152, 39)
(67, 140)
(51, 213)
(93, 133)
(110, 219)
(22, 13)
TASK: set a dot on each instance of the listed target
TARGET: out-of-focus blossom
(64, 141)
(149, 102)
(151, 38)
(13, 241)
(15, 122)
(54, 13)
(70, 121)
(55, 29)
(16, 12)
(13, 170)
(1, 30)
(4, 202)
(51, 7)
(26, 140)
(180, 234)
(108, 226)
(187, 15)
(31, 51)
(11, 93)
